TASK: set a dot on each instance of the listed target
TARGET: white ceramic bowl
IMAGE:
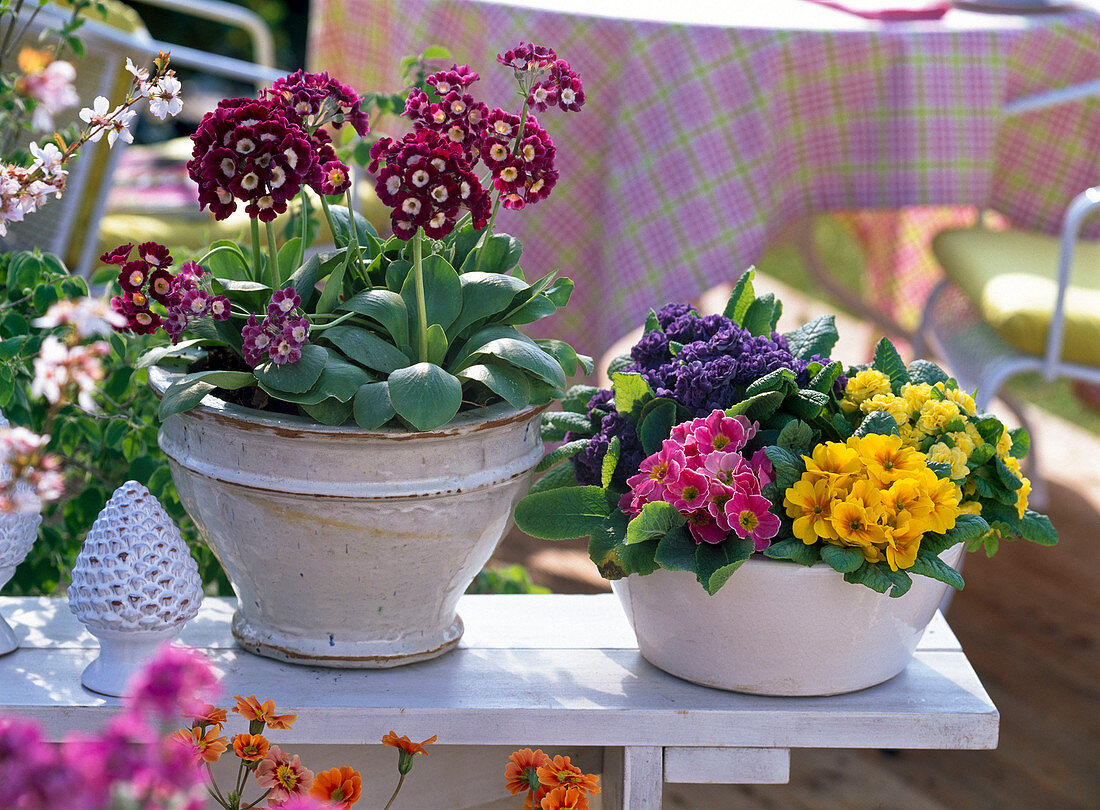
(778, 628)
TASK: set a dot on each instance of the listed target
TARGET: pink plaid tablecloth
(711, 126)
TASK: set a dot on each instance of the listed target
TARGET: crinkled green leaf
(716, 563)
(844, 559)
(816, 337)
(889, 362)
(741, 297)
(560, 514)
(632, 392)
(925, 371)
(929, 565)
(560, 454)
(656, 519)
(656, 424)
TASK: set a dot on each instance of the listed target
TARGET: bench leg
(633, 778)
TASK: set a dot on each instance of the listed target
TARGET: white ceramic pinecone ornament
(18, 532)
(134, 585)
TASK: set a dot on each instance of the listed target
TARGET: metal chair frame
(989, 375)
(140, 46)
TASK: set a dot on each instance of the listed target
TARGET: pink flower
(657, 471)
(177, 681)
(284, 775)
(704, 528)
(750, 516)
(689, 491)
(762, 466)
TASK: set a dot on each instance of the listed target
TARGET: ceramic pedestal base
(374, 654)
(121, 654)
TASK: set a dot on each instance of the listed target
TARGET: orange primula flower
(250, 747)
(565, 798)
(207, 746)
(340, 786)
(253, 710)
(207, 715)
(560, 772)
(520, 772)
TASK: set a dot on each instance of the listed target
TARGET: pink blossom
(762, 466)
(704, 528)
(52, 87)
(177, 681)
(689, 491)
(750, 516)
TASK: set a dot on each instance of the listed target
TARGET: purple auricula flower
(426, 181)
(247, 150)
(257, 338)
(283, 302)
(317, 98)
(527, 56)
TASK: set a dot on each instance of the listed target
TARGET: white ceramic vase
(134, 585)
(18, 531)
(778, 628)
(348, 548)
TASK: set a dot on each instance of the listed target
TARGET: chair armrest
(263, 43)
(1083, 204)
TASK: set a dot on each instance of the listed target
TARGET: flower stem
(305, 228)
(328, 217)
(421, 306)
(276, 282)
(397, 790)
(256, 272)
(318, 327)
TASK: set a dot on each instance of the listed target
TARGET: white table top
(560, 669)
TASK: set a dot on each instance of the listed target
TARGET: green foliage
(101, 451)
(509, 579)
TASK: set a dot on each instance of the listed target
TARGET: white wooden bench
(557, 672)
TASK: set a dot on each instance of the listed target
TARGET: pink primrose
(750, 517)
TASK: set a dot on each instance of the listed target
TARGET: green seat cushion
(1011, 278)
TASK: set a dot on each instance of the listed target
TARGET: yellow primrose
(935, 414)
(901, 550)
(962, 399)
(835, 463)
(963, 441)
(1004, 444)
(970, 508)
(908, 496)
(866, 384)
(916, 394)
(911, 435)
(1021, 496)
(945, 506)
(810, 503)
(897, 407)
(887, 459)
(954, 457)
(854, 526)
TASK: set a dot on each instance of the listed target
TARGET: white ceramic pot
(349, 548)
(778, 628)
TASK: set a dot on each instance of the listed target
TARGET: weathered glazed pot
(778, 628)
(348, 548)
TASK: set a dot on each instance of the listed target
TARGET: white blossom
(141, 77)
(164, 97)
